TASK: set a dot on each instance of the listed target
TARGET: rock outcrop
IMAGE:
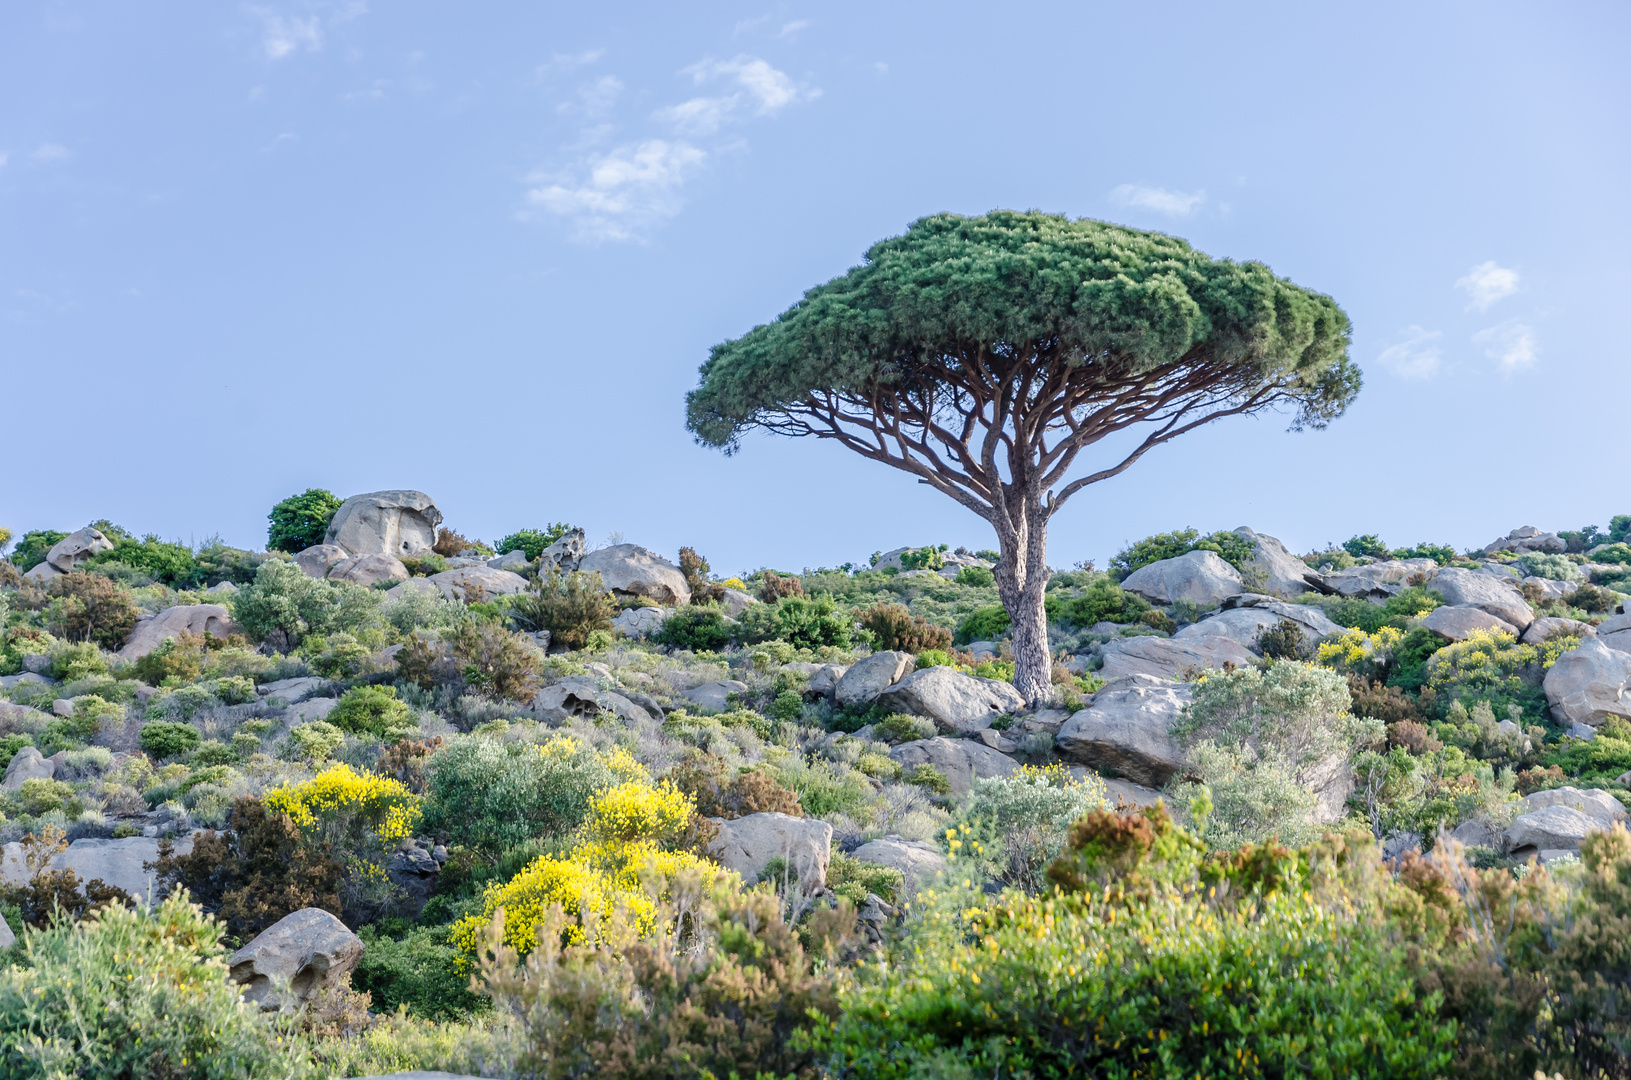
(1126, 730)
(1456, 622)
(748, 844)
(958, 703)
(1167, 658)
(1589, 684)
(294, 959)
(866, 679)
(632, 570)
(316, 560)
(395, 523)
(369, 570)
(149, 634)
(1485, 591)
(1276, 570)
(961, 761)
(1200, 577)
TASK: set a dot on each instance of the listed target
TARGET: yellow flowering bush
(635, 811)
(1358, 651)
(340, 802)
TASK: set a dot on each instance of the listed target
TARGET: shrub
(1618, 553)
(1284, 641)
(1367, 545)
(570, 607)
(78, 662)
(707, 781)
(374, 710)
(1443, 554)
(180, 658)
(894, 627)
(1492, 666)
(216, 562)
(89, 607)
(1592, 598)
(140, 993)
(1101, 600)
(977, 577)
(489, 796)
(1231, 547)
(983, 624)
(532, 542)
(722, 988)
(901, 727)
(774, 587)
(449, 543)
(163, 739)
(695, 568)
(282, 605)
(418, 972)
(301, 521)
(928, 777)
(1017, 825)
(34, 546)
(694, 627)
(1551, 567)
(804, 624)
(851, 879)
(341, 804)
(170, 564)
(494, 662)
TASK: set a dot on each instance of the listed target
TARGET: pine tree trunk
(1022, 582)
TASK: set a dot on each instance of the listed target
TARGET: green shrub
(1494, 667)
(892, 626)
(375, 711)
(1397, 611)
(34, 546)
(78, 662)
(532, 542)
(182, 704)
(787, 706)
(853, 879)
(804, 624)
(1443, 554)
(1368, 545)
(282, 605)
(1230, 547)
(9, 745)
(570, 607)
(1618, 553)
(89, 607)
(700, 628)
(1551, 567)
(901, 727)
(696, 570)
(419, 971)
(234, 689)
(301, 521)
(168, 564)
(493, 662)
(923, 558)
(928, 777)
(1014, 826)
(163, 739)
(133, 994)
(977, 577)
(984, 624)
(1101, 600)
(316, 741)
(217, 562)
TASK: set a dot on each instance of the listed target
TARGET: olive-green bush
(164, 739)
(375, 711)
(301, 521)
(282, 605)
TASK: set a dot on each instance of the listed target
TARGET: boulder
(41, 573)
(367, 570)
(957, 703)
(1527, 538)
(919, 861)
(824, 680)
(1167, 658)
(715, 695)
(20, 718)
(1541, 629)
(222, 588)
(512, 561)
(1117, 792)
(1244, 624)
(1549, 828)
(1456, 622)
(1480, 590)
(1476, 833)
(962, 761)
(1377, 581)
(306, 711)
(8, 937)
(747, 844)
(1592, 802)
(455, 584)
(1549, 589)
(310, 949)
(866, 679)
(385, 523)
(149, 634)
(1276, 570)
(317, 559)
(412, 587)
(638, 622)
(27, 764)
(1126, 730)
(563, 554)
(1200, 577)
(74, 549)
(735, 601)
(1589, 684)
(632, 570)
(120, 863)
(290, 691)
(582, 696)
(8, 681)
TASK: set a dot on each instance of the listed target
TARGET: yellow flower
(338, 795)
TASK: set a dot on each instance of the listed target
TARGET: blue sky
(480, 250)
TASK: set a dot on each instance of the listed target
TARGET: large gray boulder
(1589, 684)
(1541, 629)
(1456, 622)
(736, 601)
(1593, 802)
(1276, 570)
(958, 703)
(563, 555)
(385, 523)
(582, 696)
(866, 679)
(715, 695)
(369, 570)
(747, 844)
(308, 951)
(639, 622)
(1551, 828)
(962, 761)
(316, 560)
(1127, 730)
(1614, 632)
(121, 863)
(1168, 658)
(632, 570)
(1379, 580)
(824, 679)
(1495, 596)
(149, 634)
(1200, 577)
(73, 550)
(513, 561)
(290, 691)
(27, 764)
(1244, 624)
(919, 861)
(1526, 539)
(455, 584)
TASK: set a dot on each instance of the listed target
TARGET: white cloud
(1162, 201)
(50, 152)
(1416, 357)
(570, 61)
(762, 91)
(1511, 344)
(594, 99)
(287, 36)
(283, 137)
(792, 29)
(613, 196)
(1487, 283)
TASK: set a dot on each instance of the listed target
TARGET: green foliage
(1409, 668)
(532, 542)
(1443, 554)
(1009, 279)
(1618, 553)
(133, 994)
(903, 727)
(89, 607)
(927, 777)
(977, 577)
(316, 741)
(1232, 548)
(892, 626)
(1014, 826)
(570, 607)
(301, 521)
(985, 624)
(923, 558)
(216, 562)
(418, 971)
(168, 564)
(282, 605)
(1397, 611)
(1100, 600)
(698, 627)
(375, 711)
(1370, 544)
(1494, 667)
(33, 547)
(1552, 567)
(853, 879)
(163, 739)
(802, 623)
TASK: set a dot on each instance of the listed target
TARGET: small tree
(983, 355)
(301, 521)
